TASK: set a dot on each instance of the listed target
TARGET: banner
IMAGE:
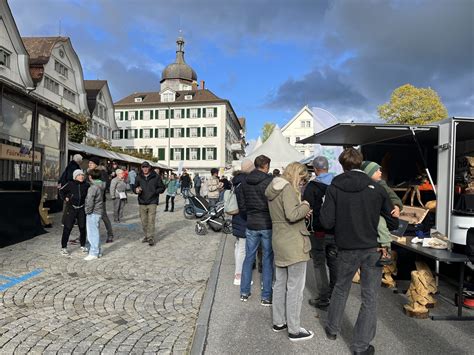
(10, 152)
(51, 173)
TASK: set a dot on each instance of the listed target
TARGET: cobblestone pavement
(135, 299)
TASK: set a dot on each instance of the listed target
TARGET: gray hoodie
(94, 199)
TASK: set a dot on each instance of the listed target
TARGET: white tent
(278, 150)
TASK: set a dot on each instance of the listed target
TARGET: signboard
(51, 173)
(9, 152)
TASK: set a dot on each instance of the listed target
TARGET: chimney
(203, 84)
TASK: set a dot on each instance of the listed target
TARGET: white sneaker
(64, 252)
(90, 257)
(84, 249)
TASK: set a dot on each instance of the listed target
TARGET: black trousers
(197, 189)
(70, 216)
(168, 198)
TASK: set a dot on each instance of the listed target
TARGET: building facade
(181, 125)
(300, 126)
(101, 107)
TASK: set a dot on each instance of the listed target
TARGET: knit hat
(370, 167)
(146, 164)
(77, 158)
(320, 163)
(76, 173)
(247, 166)
(118, 171)
(95, 160)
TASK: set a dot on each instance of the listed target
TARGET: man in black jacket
(259, 229)
(148, 186)
(186, 183)
(323, 246)
(72, 166)
(353, 205)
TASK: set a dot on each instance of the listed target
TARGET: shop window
(15, 120)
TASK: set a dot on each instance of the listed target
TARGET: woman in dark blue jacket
(239, 221)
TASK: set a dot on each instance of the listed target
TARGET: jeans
(348, 261)
(288, 295)
(324, 255)
(213, 202)
(239, 254)
(148, 216)
(253, 240)
(93, 236)
(185, 192)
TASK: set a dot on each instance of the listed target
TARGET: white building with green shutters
(181, 122)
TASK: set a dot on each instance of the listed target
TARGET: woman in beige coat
(291, 246)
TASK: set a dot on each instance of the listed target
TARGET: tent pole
(412, 129)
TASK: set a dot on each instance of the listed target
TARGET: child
(373, 170)
(74, 195)
(93, 208)
(118, 194)
(171, 189)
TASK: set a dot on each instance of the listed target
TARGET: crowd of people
(338, 221)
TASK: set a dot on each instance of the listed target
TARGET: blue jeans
(93, 236)
(253, 240)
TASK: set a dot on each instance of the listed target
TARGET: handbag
(122, 195)
(231, 207)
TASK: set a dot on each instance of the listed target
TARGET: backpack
(231, 207)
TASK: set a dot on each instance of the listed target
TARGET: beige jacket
(290, 238)
(214, 186)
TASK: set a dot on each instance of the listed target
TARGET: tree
(412, 105)
(267, 130)
(77, 131)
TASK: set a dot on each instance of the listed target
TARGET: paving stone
(135, 299)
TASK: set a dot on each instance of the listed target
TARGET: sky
(269, 58)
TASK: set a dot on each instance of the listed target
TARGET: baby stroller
(215, 219)
(195, 207)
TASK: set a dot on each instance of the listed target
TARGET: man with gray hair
(73, 165)
(323, 246)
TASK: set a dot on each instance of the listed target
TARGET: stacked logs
(389, 271)
(421, 291)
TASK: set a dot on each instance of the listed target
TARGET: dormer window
(167, 96)
(188, 97)
(4, 57)
(61, 68)
(139, 99)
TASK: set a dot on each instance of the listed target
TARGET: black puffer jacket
(66, 176)
(255, 202)
(239, 221)
(75, 191)
(151, 186)
(353, 205)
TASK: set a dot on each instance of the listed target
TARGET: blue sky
(271, 57)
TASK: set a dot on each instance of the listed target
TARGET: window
(132, 116)
(288, 140)
(167, 97)
(51, 85)
(100, 96)
(177, 154)
(70, 96)
(177, 114)
(138, 99)
(118, 116)
(132, 134)
(162, 114)
(116, 135)
(162, 133)
(194, 113)
(211, 131)
(193, 132)
(297, 139)
(188, 97)
(146, 114)
(194, 154)
(210, 154)
(308, 123)
(209, 112)
(100, 110)
(178, 132)
(147, 133)
(303, 124)
(161, 153)
(4, 57)
(60, 68)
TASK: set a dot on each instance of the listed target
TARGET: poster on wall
(51, 173)
(48, 131)
(15, 121)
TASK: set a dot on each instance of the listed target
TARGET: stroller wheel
(200, 229)
(188, 212)
(227, 228)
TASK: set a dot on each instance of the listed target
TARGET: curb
(202, 323)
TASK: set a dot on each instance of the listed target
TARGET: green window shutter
(187, 132)
(141, 133)
(151, 133)
(126, 115)
(199, 113)
(182, 132)
(121, 134)
(198, 154)
(172, 133)
(156, 132)
(203, 112)
(151, 114)
(167, 113)
(167, 132)
(182, 154)
(203, 153)
(215, 131)
(199, 131)
(187, 153)
(156, 114)
(172, 153)
(141, 115)
(215, 153)
(188, 113)
(203, 131)
(121, 116)
(126, 133)
(136, 115)
(215, 111)
(136, 133)
(161, 153)
(172, 113)
(182, 113)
